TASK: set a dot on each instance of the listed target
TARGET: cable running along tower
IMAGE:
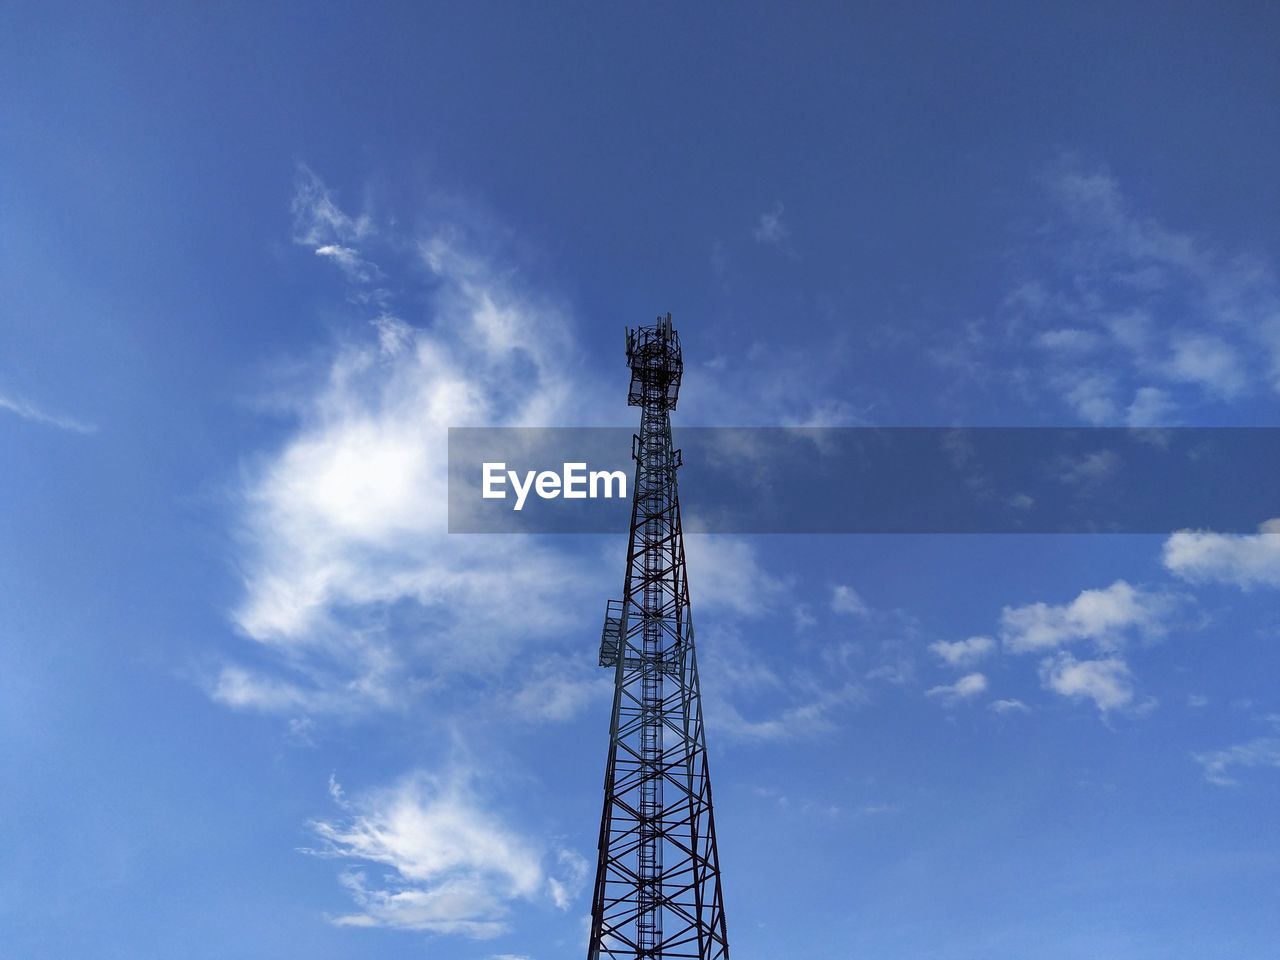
(657, 892)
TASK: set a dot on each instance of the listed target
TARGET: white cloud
(1249, 560)
(338, 253)
(962, 653)
(566, 887)
(1151, 407)
(343, 529)
(1104, 616)
(1208, 361)
(725, 573)
(317, 219)
(770, 383)
(336, 793)
(720, 263)
(455, 867)
(1131, 321)
(746, 698)
(1070, 339)
(1108, 683)
(331, 233)
(558, 688)
(1089, 469)
(810, 713)
(349, 261)
(1260, 752)
(29, 411)
(351, 583)
(1091, 394)
(898, 671)
(967, 687)
(845, 599)
(770, 228)
(242, 689)
(1007, 706)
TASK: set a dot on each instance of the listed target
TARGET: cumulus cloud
(962, 653)
(1106, 617)
(1249, 560)
(1108, 683)
(967, 687)
(446, 863)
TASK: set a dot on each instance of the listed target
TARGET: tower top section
(653, 354)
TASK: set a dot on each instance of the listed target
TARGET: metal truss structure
(657, 890)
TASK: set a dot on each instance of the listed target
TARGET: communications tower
(657, 891)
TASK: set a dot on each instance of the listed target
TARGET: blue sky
(255, 703)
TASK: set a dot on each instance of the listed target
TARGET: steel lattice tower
(657, 892)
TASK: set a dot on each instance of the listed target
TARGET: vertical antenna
(657, 891)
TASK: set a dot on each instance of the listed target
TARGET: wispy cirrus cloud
(322, 225)
(750, 697)
(810, 708)
(447, 863)
(350, 578)
(35, 414)
(845, 599)
(729, 575)
(318, 220)
(770, 229)
(352, 585)
(966, 688)
(962, 653)
(1008, 705)
(1160, 305)
(558, 687)
(1261, 752)
(1122, 319)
